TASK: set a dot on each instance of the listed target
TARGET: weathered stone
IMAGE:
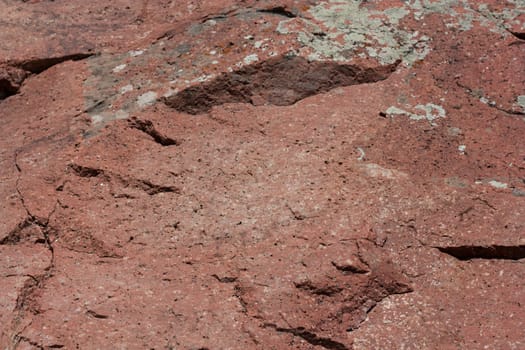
(262, 174)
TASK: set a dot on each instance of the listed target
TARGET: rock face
(262, 174)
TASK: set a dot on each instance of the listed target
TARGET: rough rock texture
(262, 174)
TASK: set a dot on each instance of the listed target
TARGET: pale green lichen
(500, 20)
(363, 28)
(251, 59)
(520, 100)
(431, 112)
(377, 34)
(392, 110)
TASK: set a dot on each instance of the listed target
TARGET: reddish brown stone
(262, 175)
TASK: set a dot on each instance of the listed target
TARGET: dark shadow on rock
(280, 81)
(489, 252)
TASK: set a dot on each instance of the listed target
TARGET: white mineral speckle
(147, 99)
(497, 184)
(95, 119)
(251, 59)
(136, 53)
(126, 88)
(119, 68)
(392, 110)
(121, 114)
(202, 78)
(170, 92)
(432, 112)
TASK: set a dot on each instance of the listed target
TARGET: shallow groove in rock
(352, 268)
(225, 279)
(84, 171)
(280, 81)
(280, 11)
(95, 314)
(150, 188)
(147, 127)
(144, 185)
(470, 91)
(37, 345)
(327, 290)
(467, 252)
(34, 344)
(310, 337)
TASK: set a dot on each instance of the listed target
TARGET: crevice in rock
(508, 111)
(518, 35)
(7, 88)
(147, 127)
(38, 65)
(280, 11)
(221, 15)
(280, 81)
(25, 301)
(310, 337)
(490, 103)
(469, 252)
(32, 219)
(11, 78)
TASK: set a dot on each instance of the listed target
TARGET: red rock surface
(262, 174)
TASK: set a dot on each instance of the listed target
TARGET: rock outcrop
(262, 174)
